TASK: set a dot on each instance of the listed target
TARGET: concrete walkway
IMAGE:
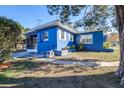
(91, 64)
(108, 63)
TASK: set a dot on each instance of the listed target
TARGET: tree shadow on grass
(106, 80)
(26, 65)
(77, 59)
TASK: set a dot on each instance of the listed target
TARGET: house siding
(55, 43)
(51, 44)
(63, 43)
(98, 39)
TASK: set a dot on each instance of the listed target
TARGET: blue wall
(51, 44)
(63, 43)
(97, 44)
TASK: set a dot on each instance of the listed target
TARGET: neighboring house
(56, 36)
(113, 38)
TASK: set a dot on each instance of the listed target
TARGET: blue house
(57, 36)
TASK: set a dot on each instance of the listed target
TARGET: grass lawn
(30, 73)
(92, 56)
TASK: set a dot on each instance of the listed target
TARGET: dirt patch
(4, 66)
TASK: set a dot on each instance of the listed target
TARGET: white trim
(82, 37)
(70, 37)
(91, 39)
(31, 50)
(43, 36)
(45, 39)
(60, 35)
(50, 24)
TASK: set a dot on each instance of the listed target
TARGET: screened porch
(31, 43)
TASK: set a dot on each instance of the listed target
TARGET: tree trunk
(120, 22)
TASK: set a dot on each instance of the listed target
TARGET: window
(82, 39)
(86, 39)
(89, 38)
(71, 37)
(45, 36)
(62, 35)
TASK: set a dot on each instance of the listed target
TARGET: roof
(85, 32)
(51, 24)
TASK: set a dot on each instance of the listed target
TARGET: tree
(93, 17)
(120, 23)
(25, 29)
(96, 16)
(10, 34)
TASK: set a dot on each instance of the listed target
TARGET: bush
(66, 48)
(80, 47)
(106, 45)
(72, 47)
(10, 35)
(5, 55)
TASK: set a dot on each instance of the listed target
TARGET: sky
(27, 16)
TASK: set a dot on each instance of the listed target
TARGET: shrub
(106, 45)
(72, 47)
(66, 48)
(5, 55)
(80, 47)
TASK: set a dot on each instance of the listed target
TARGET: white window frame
(61, 34)
(91, 36)
(85, 39)
(70, 37)
(43, 36)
